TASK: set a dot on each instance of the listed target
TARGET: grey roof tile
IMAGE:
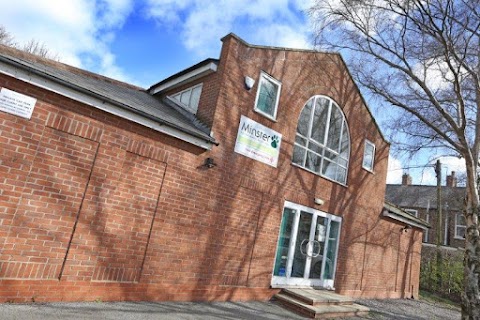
(422, 197)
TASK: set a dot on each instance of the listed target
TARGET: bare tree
(423, 58)
(39, 49)
(32, 46)
(6, 38)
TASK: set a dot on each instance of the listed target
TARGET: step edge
(337, 308)
(327, 301)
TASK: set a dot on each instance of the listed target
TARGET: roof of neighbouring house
(122, 95)
(392, 211)
(424, 197)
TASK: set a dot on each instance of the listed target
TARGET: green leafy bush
(444, 279)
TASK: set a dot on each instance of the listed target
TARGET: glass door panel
(302, 246)
(329, 272)
(318, 244)
(284, 242)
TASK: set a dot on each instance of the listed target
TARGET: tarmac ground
(380, 309)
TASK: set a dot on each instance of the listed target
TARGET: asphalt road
(380, 309)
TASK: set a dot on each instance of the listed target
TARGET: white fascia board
(190, 76)
(394, 216)
(21, 74)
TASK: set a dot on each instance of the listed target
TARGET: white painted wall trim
(42, 82)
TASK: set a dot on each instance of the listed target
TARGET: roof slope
(121, 94)
(396, 213)
(417, 196)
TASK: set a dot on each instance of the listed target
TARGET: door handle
(301, 246)
(314, 255)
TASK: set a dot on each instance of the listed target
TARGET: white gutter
(185, 78)
(103, 105)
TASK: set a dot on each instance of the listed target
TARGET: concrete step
(324, 311)
(317, 297)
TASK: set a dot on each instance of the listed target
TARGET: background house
(421, 201)
(258, 170)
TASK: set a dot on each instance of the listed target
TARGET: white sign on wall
(258, 142)
(16, 103)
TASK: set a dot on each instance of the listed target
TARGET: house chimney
(406, 179)
(452, 180)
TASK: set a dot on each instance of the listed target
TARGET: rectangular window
(460, 226)
(368, 156)
(413, 212)
(268, 94)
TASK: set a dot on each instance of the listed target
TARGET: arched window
(322, 142)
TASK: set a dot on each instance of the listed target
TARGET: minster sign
(258, 142)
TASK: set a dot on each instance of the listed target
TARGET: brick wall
(95, 207)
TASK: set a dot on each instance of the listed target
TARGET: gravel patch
(380, 309)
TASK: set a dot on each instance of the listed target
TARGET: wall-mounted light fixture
(406, 228)
(249, 83)
(209, 163)
(319, 201)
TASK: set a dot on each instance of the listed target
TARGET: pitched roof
(423, 197)
(396, 213)
(120, 94)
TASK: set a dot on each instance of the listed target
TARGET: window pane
(298, 155)
(368, 156)
(313, 162)
(185, 97)
(336, 120)
(342, 162)
(304, 120)
(195, 98)
(460, 232)
(319, 123)
(345, 144)
(329, 169)
(341, 175)
(315, 147)
(301, 141)
(267, 96)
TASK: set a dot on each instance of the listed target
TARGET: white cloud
(394, 171)
(202, 23)
(79, 31)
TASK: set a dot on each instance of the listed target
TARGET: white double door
(307, 248)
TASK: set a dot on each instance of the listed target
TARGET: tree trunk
(471, 262)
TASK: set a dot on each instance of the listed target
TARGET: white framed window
(268, 94)
(460, 226)
(413, 212)
(189, 98)
(368, 156)
(322, 142)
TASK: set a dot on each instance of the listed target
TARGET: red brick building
(421, 201)
(258, 170)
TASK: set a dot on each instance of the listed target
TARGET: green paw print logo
(274, 143)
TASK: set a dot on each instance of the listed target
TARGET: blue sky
(145, 41)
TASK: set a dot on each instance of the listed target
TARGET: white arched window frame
(322, 141)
